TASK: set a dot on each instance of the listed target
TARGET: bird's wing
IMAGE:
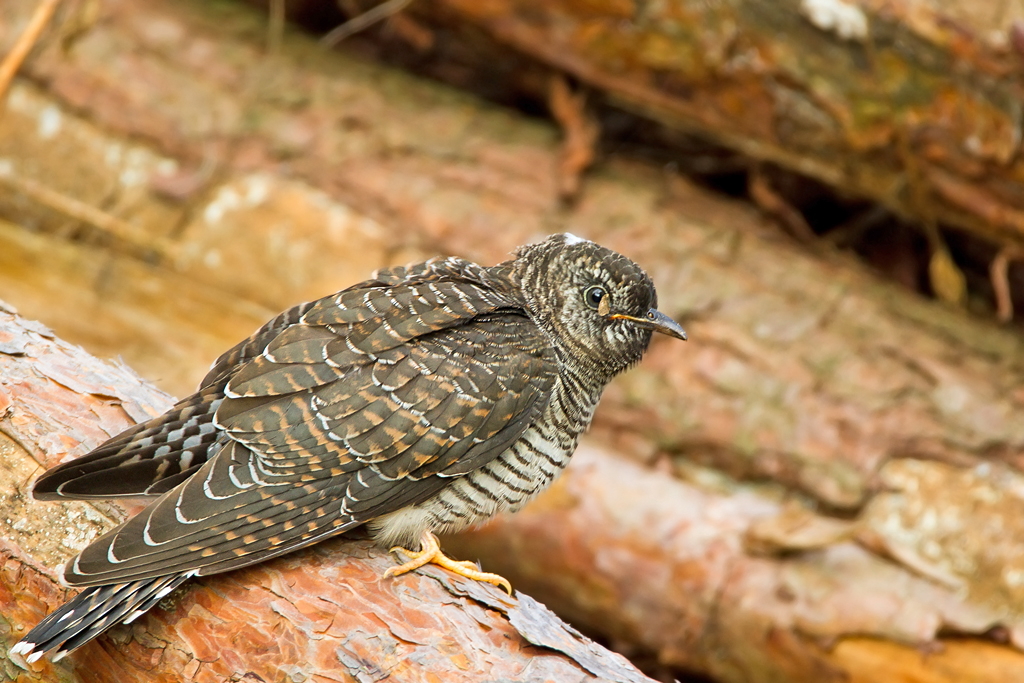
(373, 402)
(153, 457)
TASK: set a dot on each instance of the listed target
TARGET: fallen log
(735, 583)
(915, 106)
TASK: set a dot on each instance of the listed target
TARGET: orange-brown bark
(914, 105)
(699, 577)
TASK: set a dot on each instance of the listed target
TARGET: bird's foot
(430, 553)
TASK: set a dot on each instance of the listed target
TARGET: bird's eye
(593, 296)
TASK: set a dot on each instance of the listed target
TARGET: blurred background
(823, 484)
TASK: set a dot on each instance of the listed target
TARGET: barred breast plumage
(425, 399)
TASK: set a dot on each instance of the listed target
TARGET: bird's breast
(504, 484)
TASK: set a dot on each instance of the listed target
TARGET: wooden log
(912, 105)
(710, 579)
(322, 614)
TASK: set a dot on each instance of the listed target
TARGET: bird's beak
(657, 321)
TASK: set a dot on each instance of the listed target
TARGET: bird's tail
(92, 612)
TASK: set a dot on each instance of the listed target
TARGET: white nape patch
(845, 20)
(573, 239)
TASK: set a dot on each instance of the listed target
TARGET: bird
(423, 400)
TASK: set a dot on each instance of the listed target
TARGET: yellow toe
(430, 553)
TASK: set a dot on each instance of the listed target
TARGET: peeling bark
(682, 570)
(912, 104)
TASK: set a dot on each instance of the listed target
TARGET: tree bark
(740, 586)
(886, 423)
(914, 105)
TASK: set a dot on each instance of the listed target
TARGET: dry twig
(11, 63)
(581, 132)
(86, 213)
(363, 21)
(772, 203)
(999, 274)
(275, 26)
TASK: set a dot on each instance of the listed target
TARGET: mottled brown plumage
(425, 399)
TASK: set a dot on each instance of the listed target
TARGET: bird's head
(599, 306)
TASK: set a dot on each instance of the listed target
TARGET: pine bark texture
(822, 484)
(912, 104)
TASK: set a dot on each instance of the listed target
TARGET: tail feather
(92, 612)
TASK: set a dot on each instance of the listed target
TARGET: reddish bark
(730, 583)
(913, 105)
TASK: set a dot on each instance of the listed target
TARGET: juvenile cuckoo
(425, 399)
